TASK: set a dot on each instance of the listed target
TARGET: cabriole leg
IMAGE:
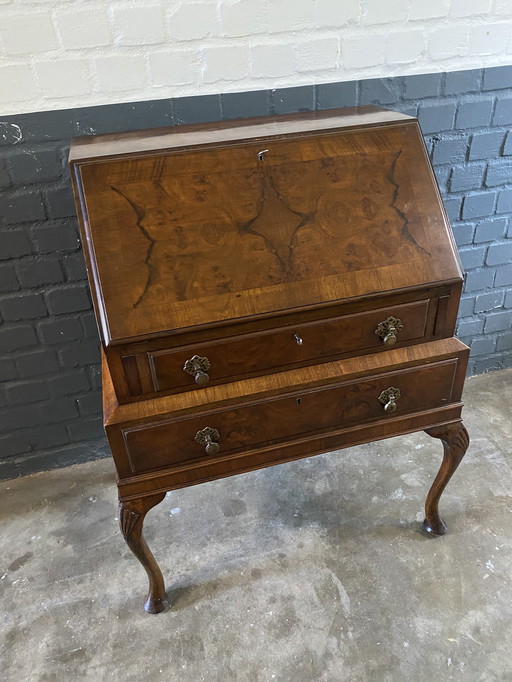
(455, 441)
(131, 520)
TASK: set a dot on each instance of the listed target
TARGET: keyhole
(299, 400)
(260, 154)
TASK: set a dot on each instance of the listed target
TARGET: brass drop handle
(388, 398)
(198, 367)
(388, 330)
(209, 438)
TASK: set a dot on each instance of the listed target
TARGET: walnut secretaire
(266, 290)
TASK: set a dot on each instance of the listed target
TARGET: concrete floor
(314, 570)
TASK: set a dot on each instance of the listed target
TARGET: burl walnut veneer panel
(181, 238)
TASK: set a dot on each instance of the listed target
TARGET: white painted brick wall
(17, 82)
(290, 15)
(26, 35)
(174, 67)
(428, 9)
(70, 76)
(379, 12)
(406, 47)
(320, 54)
(272, 61)
(192, 21)
(444, 43)
(82, 27)
(67, 53)
(488, 39)
(225, 63)
(467, 8)
(243, 18)
(120, 72)
(139, 25)
(361, 51)
(336, 14)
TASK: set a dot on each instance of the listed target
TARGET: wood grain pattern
(131, 373)
(204, 238)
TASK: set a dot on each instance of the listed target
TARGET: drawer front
(167, 443)
(308, 343)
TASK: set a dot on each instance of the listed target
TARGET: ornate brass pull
(388, 398)
(388, 330)
(209, 438)
(198, 367)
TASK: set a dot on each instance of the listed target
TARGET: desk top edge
(154, 140)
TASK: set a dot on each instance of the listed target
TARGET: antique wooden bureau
(265, 290)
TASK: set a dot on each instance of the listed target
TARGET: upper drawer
(313, 342)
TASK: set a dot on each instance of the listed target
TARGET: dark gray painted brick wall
(49, 358)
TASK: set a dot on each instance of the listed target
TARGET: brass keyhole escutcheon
(388, 398)
(198, 367)
(209, 438)
(388, 330)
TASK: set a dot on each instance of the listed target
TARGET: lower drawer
(250, 425)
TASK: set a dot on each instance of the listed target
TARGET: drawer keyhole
(298, 401)
(298, 339)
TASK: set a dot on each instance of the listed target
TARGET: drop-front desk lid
(200, 225)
